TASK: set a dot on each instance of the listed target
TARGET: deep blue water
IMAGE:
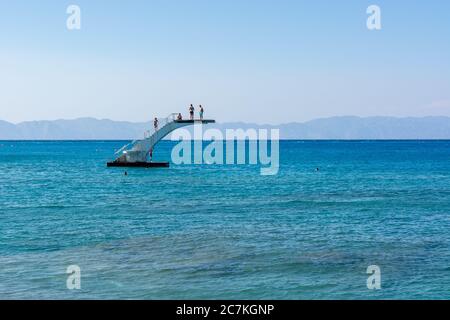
(205, 231)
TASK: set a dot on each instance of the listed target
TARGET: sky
(244, 60)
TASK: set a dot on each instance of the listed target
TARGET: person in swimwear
(191, 112)
(201, 112)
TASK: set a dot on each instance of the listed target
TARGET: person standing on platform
(201, 112)
(191, 112)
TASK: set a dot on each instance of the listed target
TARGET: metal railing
(148, 134)
(161, 123)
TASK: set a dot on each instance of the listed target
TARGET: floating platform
(138, 164)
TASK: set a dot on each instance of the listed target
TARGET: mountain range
(346, 127)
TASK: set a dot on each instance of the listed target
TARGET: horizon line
(261, 124)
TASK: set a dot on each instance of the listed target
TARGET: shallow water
(211, 231)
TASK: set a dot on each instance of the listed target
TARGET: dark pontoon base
(138, 164)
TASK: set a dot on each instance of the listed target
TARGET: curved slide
(135, 153)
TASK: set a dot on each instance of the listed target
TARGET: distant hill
(78, 129)
(326, 128)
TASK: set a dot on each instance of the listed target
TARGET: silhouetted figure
(155, 124)
(191, 112)
(125, 173)
(201, 112)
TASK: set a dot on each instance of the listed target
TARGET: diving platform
(188, 122)
(137, 153)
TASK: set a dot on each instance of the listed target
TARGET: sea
(335, 212)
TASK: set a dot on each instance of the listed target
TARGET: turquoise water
(225, 232)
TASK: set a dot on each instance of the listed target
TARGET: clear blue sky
(254, 60)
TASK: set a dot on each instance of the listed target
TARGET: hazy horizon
(323, 128)
(235, 121)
